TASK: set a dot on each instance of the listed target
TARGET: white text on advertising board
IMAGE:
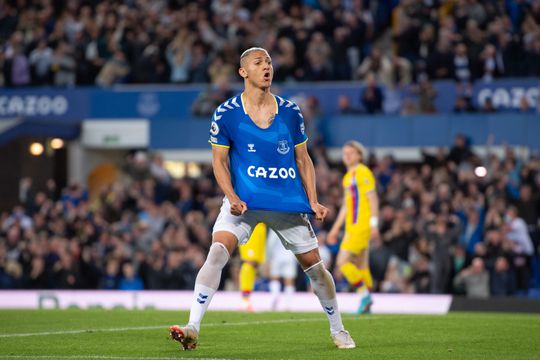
(32, 105)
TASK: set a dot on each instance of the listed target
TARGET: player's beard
(262, 85)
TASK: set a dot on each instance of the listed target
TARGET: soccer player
(252, 255)
(360, 213)
(260, 161)
(282, 267)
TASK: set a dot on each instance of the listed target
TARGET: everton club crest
(283, 147)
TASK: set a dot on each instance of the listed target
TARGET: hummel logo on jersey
(329, 310)
(201, 299)
(283, 147)
(251, 148)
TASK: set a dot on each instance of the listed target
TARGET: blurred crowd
(469, 39)
(456, 223)
(145, 230)
(459, 223)
(69, 42)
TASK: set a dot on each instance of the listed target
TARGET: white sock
(275, 289)
(289, 292)
(207, 283)
(201, 300)
(332, 312)
(325, 289)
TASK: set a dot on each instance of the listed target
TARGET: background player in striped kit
(360, 213)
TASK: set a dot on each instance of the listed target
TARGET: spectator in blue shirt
(130, 280)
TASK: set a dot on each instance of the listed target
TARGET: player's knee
(342, 259)
(309, 259)
(362, 259)
(321, 280)
(218, 255)
(227, 239)
(316, 271)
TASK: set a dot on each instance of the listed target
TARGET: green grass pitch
(143, 335)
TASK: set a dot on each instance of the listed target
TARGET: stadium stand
(439, 221)
(67, 43)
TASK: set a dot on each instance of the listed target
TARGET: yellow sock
(358, 278)
(247, 279)
(352, 273)
(367, 278)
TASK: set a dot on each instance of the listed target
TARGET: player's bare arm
(220, 163)
(373, 200)
(307, 173)
(332, 237)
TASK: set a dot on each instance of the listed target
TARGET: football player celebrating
(260, 161)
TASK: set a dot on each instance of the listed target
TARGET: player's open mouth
(266, 76)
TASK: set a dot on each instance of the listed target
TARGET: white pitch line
(136, 328)
(99, 357)
(68, 332)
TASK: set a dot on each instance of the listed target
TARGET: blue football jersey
(262, 161)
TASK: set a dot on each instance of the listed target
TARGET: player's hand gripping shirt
(356, 184)
(262, 161)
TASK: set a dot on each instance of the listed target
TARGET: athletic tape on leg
(210, 273)
(322, 282)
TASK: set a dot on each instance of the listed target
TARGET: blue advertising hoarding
(433, 130)
(169, 102)
(148, 103)
(44, 103)
(169, 109)
(507, 94)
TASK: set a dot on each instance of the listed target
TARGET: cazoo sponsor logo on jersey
(271, 172)
(32, 105)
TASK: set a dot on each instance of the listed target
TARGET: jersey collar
(244, 108)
